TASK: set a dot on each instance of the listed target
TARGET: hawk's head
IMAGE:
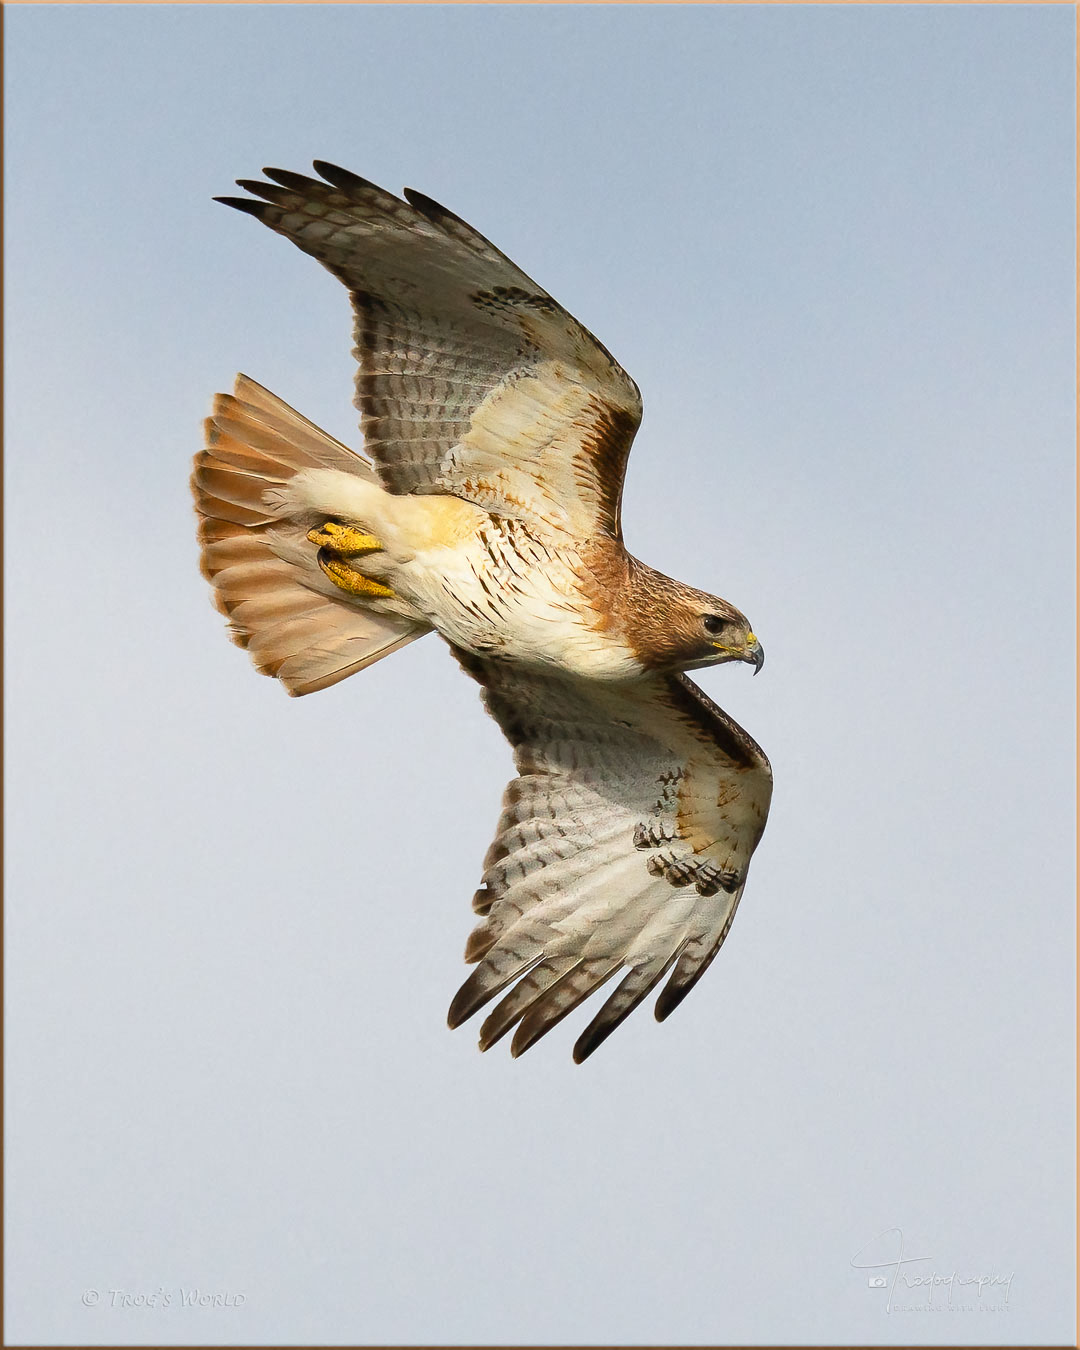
(674, 627)
(723, 634)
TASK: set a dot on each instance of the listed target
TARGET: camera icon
(877, 1281)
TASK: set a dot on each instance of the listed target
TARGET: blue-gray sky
(834, 246)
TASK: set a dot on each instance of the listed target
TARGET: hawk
(498, 431)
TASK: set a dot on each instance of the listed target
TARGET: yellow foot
(338, 542)
(342, 575)
(344, 540)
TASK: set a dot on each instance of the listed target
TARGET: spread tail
(294, 622)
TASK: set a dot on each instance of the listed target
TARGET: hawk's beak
(754, 652)
(751, 651)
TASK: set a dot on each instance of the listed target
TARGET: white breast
(503, 591)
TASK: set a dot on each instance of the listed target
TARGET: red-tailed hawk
(499, 430)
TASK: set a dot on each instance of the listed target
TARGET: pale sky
(834, 246)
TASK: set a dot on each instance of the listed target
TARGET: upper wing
(624, 844)
(473, 381)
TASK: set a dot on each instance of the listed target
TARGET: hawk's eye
(713, 624)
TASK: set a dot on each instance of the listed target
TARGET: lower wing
(623, 846)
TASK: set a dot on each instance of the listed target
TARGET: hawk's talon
(346, 579)
(344, 540)
(338, 542)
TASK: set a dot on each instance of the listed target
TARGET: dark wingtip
(433, 210)
(528, 1033)
(465, 1002)
(492, 1032)
(295, 182)
(670, 998)
(590, 1040)
(253, 208)
(342, 178)
(424, 203)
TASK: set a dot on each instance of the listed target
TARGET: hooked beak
(752, 652)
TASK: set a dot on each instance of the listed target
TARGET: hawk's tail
(294, 622)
